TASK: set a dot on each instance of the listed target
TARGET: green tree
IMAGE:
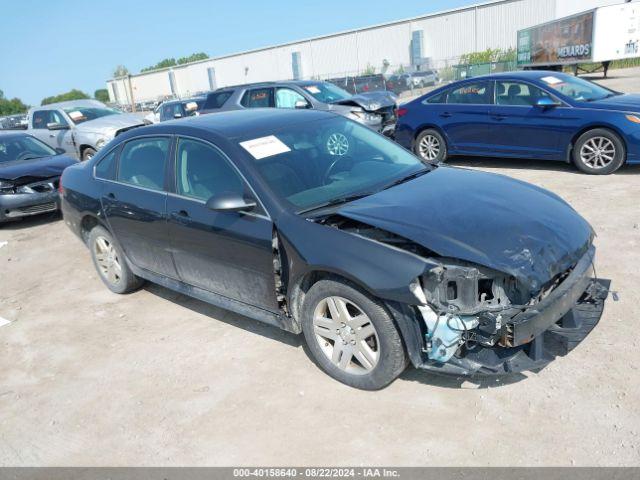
(63, 97)
(120, 71)
(11, 107)
(101, 94)
(194, 57)
(370, 70)
(167, 62)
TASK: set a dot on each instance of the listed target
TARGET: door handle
(181, 213)
(111, 196)
(51, 135)
(446, 114)
(498, 116)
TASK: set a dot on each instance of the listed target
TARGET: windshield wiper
(407, 178)
(336, 201)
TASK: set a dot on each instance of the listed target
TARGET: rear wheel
(110, 263)
(351, 336)
(599, 152)
(430, 146)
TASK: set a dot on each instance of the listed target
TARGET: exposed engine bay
(469, 310)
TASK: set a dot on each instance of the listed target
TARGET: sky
(49, 47)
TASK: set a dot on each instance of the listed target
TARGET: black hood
(44, 167)
(487, 219)
(370, 101)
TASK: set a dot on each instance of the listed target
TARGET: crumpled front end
(476, 320)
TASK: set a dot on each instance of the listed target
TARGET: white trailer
(600, 36)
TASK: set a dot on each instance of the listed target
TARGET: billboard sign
(568, 40)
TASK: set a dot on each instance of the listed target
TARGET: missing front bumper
(556, 341)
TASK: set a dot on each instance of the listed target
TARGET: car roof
(521, 74)
(70, 103)
(235, 123)
(300, 83)
(13, 133)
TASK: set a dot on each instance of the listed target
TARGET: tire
(369, 334)
(88, 153)
(427, 154)
(117, 277)
(599, 152)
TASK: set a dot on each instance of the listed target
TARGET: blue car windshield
(577, 88)
(22, 147)
(326, 92)
(311, 164)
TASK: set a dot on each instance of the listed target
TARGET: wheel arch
(428, 126)
(88, 222)
(587, 128)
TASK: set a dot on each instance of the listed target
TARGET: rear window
(217, 100)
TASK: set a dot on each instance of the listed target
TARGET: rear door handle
(111, 196)
(498, 116)
(446, 114)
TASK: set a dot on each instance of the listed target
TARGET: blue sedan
(530, 114)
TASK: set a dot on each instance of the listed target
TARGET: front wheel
(599, 152)
(430, 146)
(351, 335)
(88, 153)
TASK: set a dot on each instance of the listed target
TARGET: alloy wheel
(598, 152)
(346, 335)
(429, 147)
(107, 260)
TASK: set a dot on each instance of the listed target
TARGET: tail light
(401, 112)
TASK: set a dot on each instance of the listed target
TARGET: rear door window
(143, 162)
(471, 94)
(106, 168)
(258, 98)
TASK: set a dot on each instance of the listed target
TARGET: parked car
(533, 114)
(421, 78)
(14, 122)
(79, 127)
(376, 110)
(29, 174)
(316, 224)
(175, 109)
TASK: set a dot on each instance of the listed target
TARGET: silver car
(376, 110)
(79, 127)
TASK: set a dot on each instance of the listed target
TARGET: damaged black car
(29, 174)
(378, 259)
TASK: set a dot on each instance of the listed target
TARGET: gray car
(79, 127)
(376, 110)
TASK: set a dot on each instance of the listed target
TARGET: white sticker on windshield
(551, 80)
(75, 115)
(265, 147)
(312, 89)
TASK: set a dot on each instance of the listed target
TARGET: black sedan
(313, 223)
(29, 174)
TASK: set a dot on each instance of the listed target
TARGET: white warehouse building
(436, 40)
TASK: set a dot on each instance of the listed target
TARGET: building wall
(446, 36)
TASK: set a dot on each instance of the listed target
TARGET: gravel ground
(156, 378)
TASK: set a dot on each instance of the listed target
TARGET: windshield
(314, 163)
(84, 114)
(326, 92)
(22, 147)
(577, 88)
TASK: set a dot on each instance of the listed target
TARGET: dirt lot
(155, 378)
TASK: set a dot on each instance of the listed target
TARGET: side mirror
(177, 115)
(230, 202)
(60, 151)
(301, 104)
(546, 102)
(57, 126)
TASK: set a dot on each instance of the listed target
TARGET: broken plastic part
(445, 333)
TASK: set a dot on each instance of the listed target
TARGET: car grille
(32, 210)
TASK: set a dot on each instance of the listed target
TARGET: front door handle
(498, 116)
(446, 114)
(111, 196)
(181, 213)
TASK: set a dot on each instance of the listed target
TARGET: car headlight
(6, 187)
(633, 118)
(368, 117)
(100, 143)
